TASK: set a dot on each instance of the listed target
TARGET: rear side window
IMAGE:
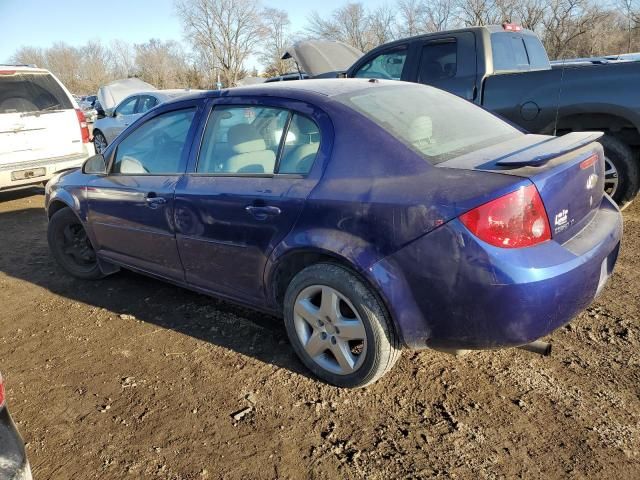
(156, 146)
(31, 92)
(437, 125)
(242, 140)
(389, 65)
(509, 52)
(301, 146)
(438, 61)
(146, 103)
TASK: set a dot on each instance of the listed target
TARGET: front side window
(388, 65)
(439, 61)
(127, 107)
(155, 147)
(242, 140)
(437, 125)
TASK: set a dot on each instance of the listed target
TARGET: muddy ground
(132, 378)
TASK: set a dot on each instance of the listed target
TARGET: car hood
(113, 93)
(316, 57)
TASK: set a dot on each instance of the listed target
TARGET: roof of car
(326, 87)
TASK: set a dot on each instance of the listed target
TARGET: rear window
(437, 125)
(31, 92)
(517, 52)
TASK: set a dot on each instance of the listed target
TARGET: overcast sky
(42, 22)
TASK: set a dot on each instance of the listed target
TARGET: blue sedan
(372, 215)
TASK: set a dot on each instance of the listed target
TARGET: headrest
(244, 138)
(420, 129)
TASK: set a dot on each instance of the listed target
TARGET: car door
(123, 116)
(131, 208)
(244, 191)
(449, 63)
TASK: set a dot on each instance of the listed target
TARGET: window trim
(285, 131)
(183, 161)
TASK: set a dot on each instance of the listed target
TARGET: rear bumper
(13, 460)
(50, 165)
(450, 290)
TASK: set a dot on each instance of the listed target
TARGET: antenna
(555, 125)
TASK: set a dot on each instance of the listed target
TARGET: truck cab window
(439, 61)
(509, 52)
(388, 65)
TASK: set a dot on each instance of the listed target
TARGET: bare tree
(122, 59)
(277, 38)
(381, 25)
(229, 29)
(631, 11)
(161, 64)
(65, 62)
(95, 67)
(349, 24)
(439, 14)
(530, 13)
(411, 17)
(566, 21)
(478, 12)
(30, 56)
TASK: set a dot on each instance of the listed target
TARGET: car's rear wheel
(99, 141)
(622, 172)
(71, 246)
(338, 327)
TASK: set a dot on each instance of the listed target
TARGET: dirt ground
(132, 378)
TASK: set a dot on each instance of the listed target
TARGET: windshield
(437, 125)
(31, 92)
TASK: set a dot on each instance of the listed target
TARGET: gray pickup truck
(506, 70)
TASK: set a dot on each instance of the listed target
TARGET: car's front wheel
(71, 247)
(99, 141)
(338, 327)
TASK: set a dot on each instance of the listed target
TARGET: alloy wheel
(330, 329)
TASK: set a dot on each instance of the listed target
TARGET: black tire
(628, 170)
(102, 140)
(65, 223)
(382, 344)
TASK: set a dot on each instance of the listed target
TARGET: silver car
(106, 129)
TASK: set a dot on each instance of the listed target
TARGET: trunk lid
(568, 172)
(37, 118)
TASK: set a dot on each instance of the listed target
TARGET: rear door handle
(262, 213)
(153, 201)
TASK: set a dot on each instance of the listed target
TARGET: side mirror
(95, 165)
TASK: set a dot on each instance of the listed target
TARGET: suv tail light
(84, 129)
(1, 392)
(515, 220)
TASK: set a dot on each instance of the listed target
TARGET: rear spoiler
(546, 150)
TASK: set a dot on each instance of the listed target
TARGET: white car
(106, 129)
(42, 129)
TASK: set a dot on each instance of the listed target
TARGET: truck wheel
(338, 326)
(622, 173)
(71, 247)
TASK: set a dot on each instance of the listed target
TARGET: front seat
(250, 151)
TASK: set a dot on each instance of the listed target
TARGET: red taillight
(1, 392)
(515, 220)
(84, 129)
(511, 27)
(7, 72)
(589, 162)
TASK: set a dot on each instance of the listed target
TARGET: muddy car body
(366, 220)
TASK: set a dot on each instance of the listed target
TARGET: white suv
(42, 129)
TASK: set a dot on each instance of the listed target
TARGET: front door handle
(262, 212)
(153, 201)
